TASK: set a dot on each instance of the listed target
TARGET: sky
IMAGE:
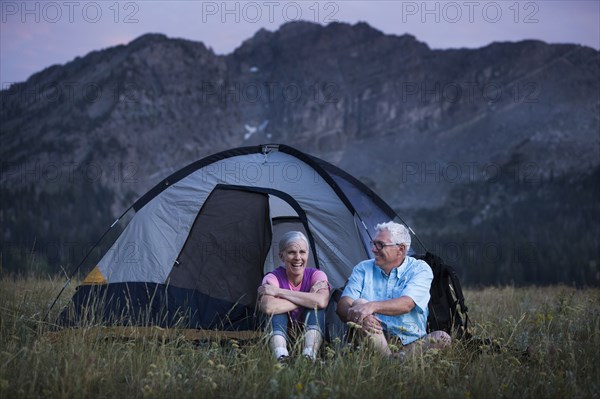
(37, 34)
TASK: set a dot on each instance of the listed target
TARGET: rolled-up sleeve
(270, 278)
(419, 285)
(355, 283)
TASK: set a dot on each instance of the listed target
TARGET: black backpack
(447, 309)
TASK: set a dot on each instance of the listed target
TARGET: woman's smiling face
(294, 258)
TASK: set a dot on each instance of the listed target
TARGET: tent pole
(413, 232)
(417, 237)
(403, 222)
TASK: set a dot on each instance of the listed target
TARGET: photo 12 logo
(70, 92)
(68, 172)
(269, 92)
(470, 11)
(269, 11)
(70, 11)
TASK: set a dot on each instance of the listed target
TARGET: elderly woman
(294, 296)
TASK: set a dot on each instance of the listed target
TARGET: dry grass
(560, 326)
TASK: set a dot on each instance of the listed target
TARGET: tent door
(225, 251)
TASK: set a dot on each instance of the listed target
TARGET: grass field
(549, 347)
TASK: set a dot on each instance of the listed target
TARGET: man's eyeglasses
(379, 245)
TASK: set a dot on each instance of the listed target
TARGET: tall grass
(547, 343)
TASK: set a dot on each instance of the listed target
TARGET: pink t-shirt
(316, 277)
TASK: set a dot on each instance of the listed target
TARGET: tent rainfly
(201, 240)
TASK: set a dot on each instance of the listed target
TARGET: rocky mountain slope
(434, 132)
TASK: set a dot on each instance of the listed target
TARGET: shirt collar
(396, 271)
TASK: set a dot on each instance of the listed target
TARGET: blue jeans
(313, 320)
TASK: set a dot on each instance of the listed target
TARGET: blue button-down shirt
(412, 278)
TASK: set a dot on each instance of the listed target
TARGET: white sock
(278, 346)
(310, 353)
(312, 343)
(279, 352)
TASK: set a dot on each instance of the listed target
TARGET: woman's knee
(278, 325)
(315, 317)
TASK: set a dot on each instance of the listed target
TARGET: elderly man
(388, 296)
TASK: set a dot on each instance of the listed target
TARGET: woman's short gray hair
(398, 232)
(290, 237)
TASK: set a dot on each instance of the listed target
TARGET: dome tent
(201, 240)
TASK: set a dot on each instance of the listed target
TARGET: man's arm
(343, 306)
(370, 324)
(352, 290)
(390, 307)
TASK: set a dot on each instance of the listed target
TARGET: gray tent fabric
(200, 241)
(148, 247)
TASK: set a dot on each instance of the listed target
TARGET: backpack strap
(457, 288)
(459, 297)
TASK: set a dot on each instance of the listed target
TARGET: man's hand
(372, 325)
(360, 310)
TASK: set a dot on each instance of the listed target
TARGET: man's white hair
(398, 232)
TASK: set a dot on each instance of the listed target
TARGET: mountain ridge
(420, 126)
